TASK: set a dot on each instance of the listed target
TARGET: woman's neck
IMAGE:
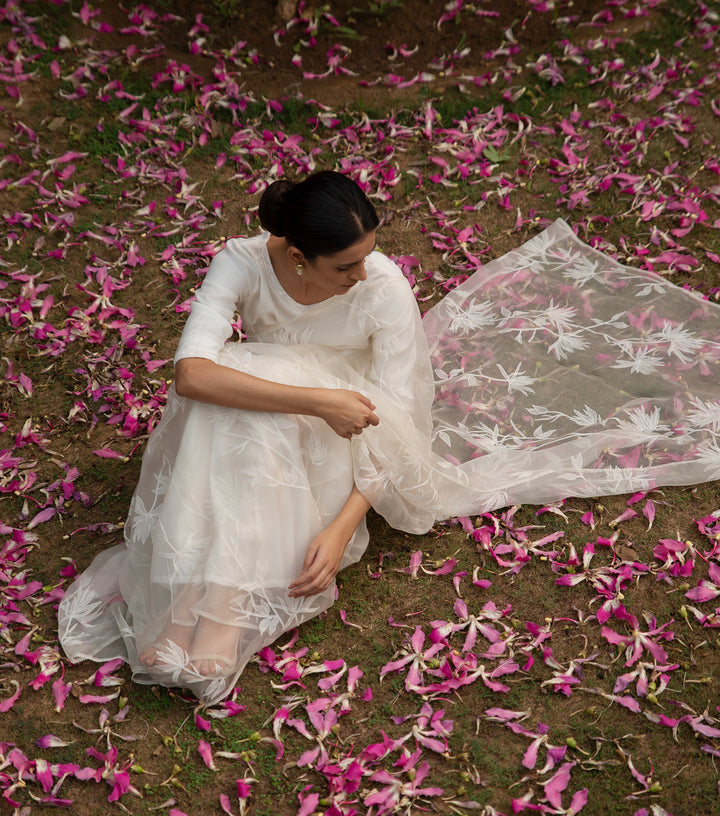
(299, 287)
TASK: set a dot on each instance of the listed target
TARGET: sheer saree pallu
(559, 372)
(556, 371)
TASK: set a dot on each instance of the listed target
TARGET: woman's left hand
(321, 565)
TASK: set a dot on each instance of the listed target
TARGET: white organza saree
(555, 372)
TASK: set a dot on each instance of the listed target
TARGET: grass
(378, 8)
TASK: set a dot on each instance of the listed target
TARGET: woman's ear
(296, 257)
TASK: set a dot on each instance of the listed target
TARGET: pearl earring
(299, 268)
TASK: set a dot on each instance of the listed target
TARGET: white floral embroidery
(642, 360)
(172, 659)
(541, 433)
(652, 289)
(85, 606)
(316, 449)
(539, 245)
(566, 343)
(215, 689)
(618, 480)
(144, 519)
(586, 417)
(681, 342)
(487, 438)
(644, 423)
(269, 612)
(471, 316)
(517, 381)
(560, 317)
(704, 414)
(582, 271)
(163, 477)
(184, 554)
(709, 456)
(387, 343)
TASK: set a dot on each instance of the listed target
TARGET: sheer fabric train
(551, 372)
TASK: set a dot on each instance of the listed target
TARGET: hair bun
(271, 210)
(320, 215)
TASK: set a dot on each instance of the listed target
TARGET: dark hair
(322, 215)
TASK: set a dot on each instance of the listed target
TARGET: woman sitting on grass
(551, 372)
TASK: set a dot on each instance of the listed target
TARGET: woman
(553, 371)
(246, 507)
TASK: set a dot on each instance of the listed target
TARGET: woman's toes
(169, 648)
(211, 667)
(212, 653)
(148, 657)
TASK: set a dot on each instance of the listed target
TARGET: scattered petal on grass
(636, 170)
(206, 753)
(51, 741)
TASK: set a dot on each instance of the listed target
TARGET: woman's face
(336, 274)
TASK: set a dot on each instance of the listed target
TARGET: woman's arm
(346, 412)
(324, 555)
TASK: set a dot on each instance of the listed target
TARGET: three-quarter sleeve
(227, 283)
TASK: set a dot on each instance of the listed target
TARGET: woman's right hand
(347, 412)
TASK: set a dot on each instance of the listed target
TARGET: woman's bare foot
(171, 645)
(213, 649)
(174, 636)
